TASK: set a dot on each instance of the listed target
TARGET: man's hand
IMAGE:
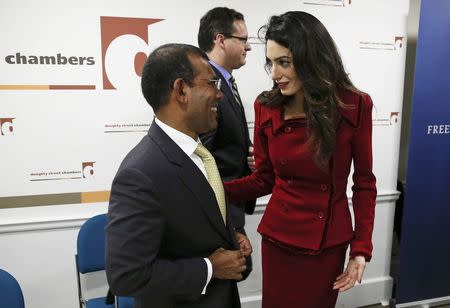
(352, 274)
(251, 159)
(227, 264)
(244, 244)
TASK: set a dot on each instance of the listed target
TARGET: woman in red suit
(308, 130)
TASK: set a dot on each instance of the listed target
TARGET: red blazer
(309, 208)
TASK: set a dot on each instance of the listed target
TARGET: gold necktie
(214, 179)
(235, 91)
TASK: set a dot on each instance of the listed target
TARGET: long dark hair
(319, 66)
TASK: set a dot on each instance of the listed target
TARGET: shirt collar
(185, 142)
(226, 74)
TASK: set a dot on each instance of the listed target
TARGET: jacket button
(290, 182)
(288, 129)
(323, 187)
(283, 161)
(321, 215)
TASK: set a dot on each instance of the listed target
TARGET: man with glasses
(223, 36)
(169, 239)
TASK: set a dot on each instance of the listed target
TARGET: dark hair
(163, 66)
(216, 20)
(319, 66)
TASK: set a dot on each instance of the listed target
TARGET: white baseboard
(369, 292)
(252, 301)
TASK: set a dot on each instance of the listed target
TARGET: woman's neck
(295, 107)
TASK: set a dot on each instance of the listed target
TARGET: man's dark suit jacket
(163, 219)
(229, 145)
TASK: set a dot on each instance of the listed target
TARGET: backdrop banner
(70, 100)
(425, 250)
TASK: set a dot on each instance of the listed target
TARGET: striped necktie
(235, 91)
(214, 179)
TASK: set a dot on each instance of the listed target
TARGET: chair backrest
(90, 257)
(10, 292)
(91, 245)
(125, 302)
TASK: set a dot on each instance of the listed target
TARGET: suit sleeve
(133, 236)
(261, 181)
(364, 187)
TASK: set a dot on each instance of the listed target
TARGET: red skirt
(293, 280)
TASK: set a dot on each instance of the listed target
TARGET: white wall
(412, 31)
(39, 248)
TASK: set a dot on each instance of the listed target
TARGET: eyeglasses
(216, 83)
(243, 40)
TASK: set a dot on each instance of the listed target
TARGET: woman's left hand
(244, 244)
(352, 274)
(251, 159)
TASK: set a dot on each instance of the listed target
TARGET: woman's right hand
(352, 274)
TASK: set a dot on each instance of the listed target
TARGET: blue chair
(125, 302)
(90, 258)
(10, 292)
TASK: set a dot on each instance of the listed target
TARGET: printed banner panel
(70, 100)
(425, 249)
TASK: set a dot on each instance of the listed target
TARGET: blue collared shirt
(226, 74)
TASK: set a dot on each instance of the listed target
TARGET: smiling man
(169, 240)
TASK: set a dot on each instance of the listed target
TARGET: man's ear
(180, 89)
(219, 39)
